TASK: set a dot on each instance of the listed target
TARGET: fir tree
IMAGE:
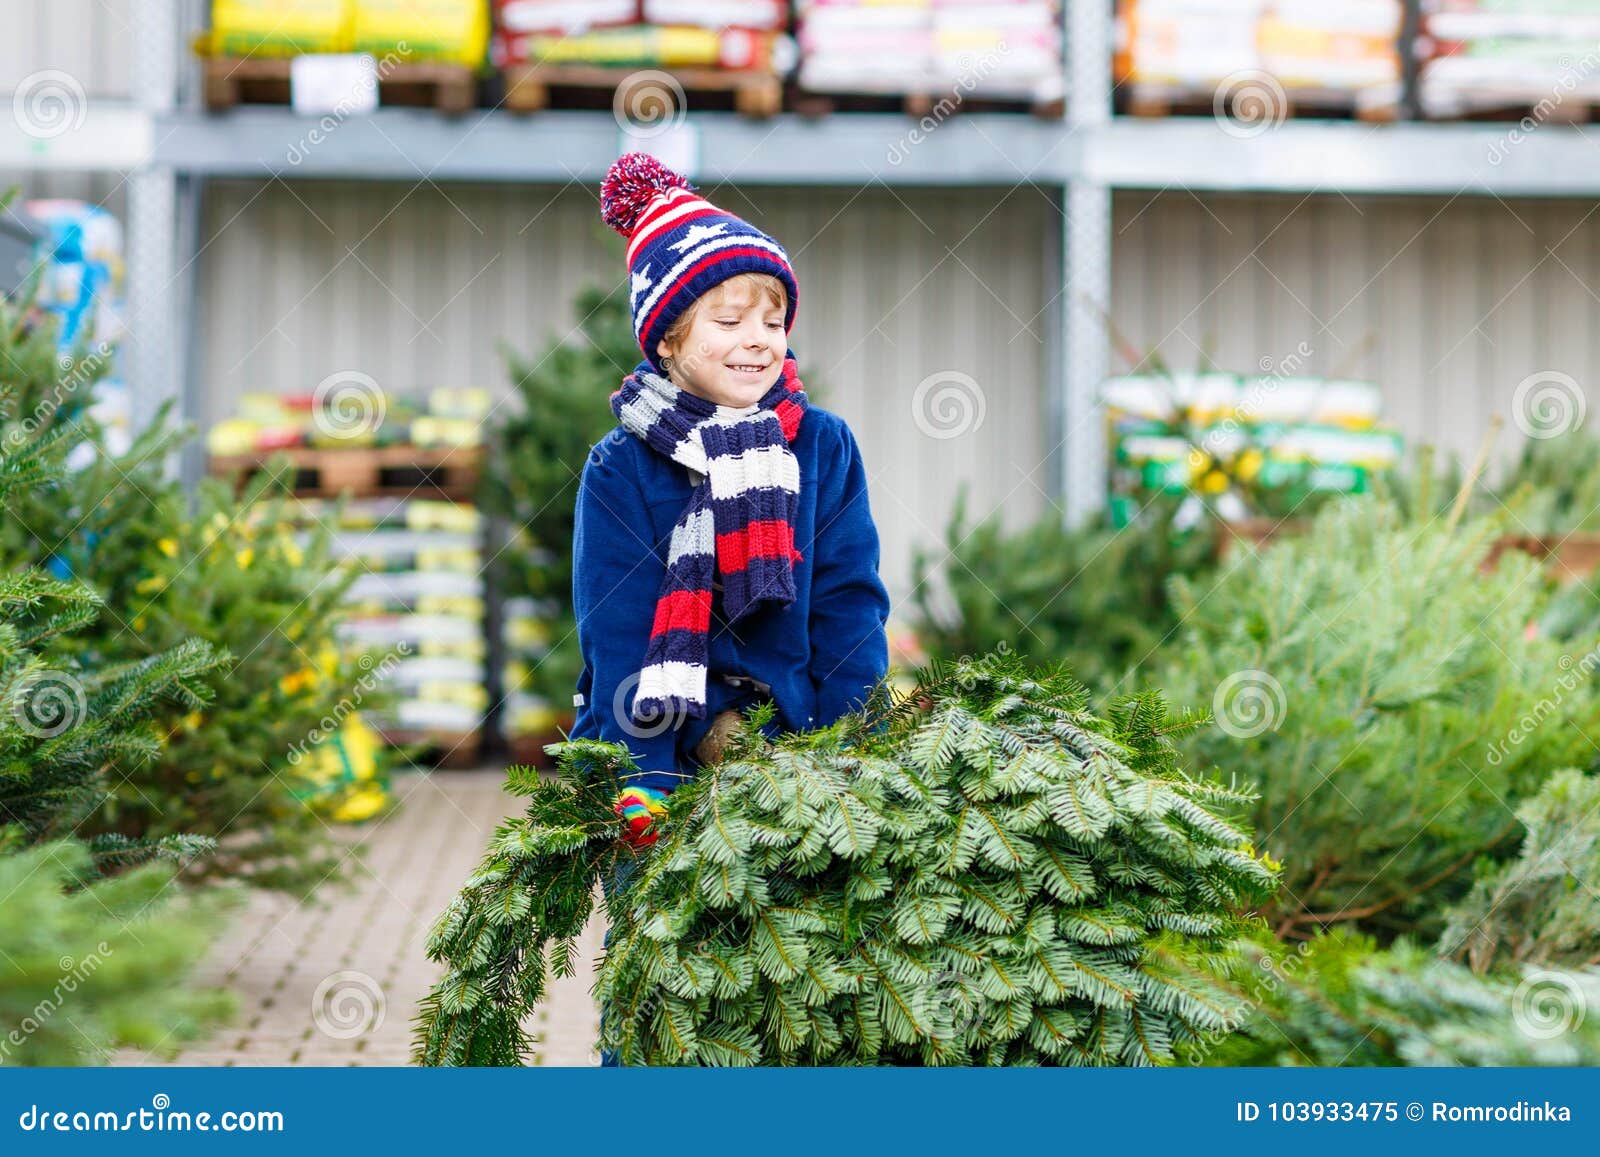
(1094, 597)
(1541, 908)
(172, 571)
(1336, 1000)
(91, 965)
(1386, 699)
(984, 882)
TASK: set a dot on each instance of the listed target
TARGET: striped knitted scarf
(739, 522)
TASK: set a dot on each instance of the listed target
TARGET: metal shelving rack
(1086, 157)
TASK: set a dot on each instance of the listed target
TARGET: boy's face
(733, 352)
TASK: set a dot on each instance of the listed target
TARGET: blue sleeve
(616, 576)
(849, 604)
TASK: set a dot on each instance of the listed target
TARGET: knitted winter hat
(680, 246)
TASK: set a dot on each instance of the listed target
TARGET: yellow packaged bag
(279, 27)
(453, 31)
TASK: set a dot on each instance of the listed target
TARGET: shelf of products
(1249, 446)
(1534, 57)
(1260, 59)
(401, 514)
(527, 720)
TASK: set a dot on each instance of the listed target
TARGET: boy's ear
(662, 350)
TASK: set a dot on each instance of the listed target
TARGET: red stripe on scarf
(682, 610)
(772, 538)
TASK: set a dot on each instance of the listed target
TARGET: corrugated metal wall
(91, 40)
(1448, 305)
(417, 287)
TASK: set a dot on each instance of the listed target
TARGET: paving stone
(279, 950)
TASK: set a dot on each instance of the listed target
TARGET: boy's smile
(734, 350)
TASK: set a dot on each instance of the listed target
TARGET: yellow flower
(244, 557)
(1266, 861)
(297, 680)
(151, 585)
(168, 547)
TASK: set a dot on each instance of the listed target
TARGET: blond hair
(753, 285)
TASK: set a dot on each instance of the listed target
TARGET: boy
(724, 550)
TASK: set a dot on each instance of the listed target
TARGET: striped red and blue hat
(680, 246)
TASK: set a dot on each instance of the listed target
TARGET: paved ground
(336, 980)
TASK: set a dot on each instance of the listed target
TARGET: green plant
(987, 882)
(1383, 696)
(1338, 1000)
(90, 967)
(1094, 598)
(1540, 908)
(1554, 488)
(167, 568)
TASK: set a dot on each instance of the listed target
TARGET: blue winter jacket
(820, 655)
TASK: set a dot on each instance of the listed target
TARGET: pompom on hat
(680, 246)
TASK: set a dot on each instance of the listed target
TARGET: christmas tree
(1338, 1000)
(1370, 677)
(94, 964)
(98, 941)
(168, 567)
(1094, 597)
(986, 881)
(1539, 908)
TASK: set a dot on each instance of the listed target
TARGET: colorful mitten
(639, 808)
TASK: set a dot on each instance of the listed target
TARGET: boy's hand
(640, 808)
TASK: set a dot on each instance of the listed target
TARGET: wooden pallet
(367, 471)
(1568, 112)
(816, 105)
(1155, 100)
(535, 87)
(1572, 556)
(234, 80)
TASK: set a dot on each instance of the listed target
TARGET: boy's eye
(774, 325)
